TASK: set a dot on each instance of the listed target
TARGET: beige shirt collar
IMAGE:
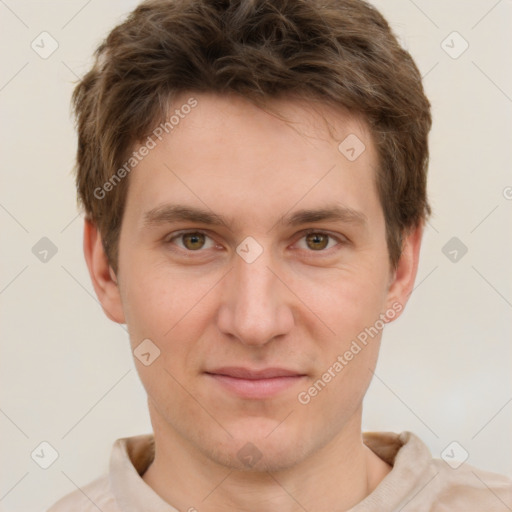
(406, 452)
(417, 482)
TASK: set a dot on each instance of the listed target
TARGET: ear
(403, 277)
(103, 277)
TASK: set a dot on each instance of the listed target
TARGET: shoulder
(449, 485)
(129, 458)
(468, 486)
(420, 483)
(93, 496)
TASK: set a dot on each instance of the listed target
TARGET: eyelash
(339, 239)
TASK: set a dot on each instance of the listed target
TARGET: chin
(254, 449)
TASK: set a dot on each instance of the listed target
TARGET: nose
(256, 306)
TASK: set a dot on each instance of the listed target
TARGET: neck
(336, 477)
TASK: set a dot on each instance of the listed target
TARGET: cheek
(156, 304)
(166, 310)
(351, 309)
(344, 300)
(351, 305)
(173, 310)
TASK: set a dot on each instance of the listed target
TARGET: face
(253, 257)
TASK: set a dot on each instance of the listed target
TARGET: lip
(255, 384)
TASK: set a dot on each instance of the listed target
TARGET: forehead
(229, 155)
(312, 121)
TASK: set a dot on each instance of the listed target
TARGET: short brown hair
(340, 52)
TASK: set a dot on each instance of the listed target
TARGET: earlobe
(402, 283)
(103, 277)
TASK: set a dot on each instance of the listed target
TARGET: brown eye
(193, 241)
(317, 241)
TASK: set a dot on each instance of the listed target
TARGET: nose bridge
(254, 283)
(254, 307)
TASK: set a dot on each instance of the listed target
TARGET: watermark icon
(44, 455)
(249, 455)
(249, 250)
(361, 341)
(44, 45)
(352, 147)
(144, 149)
(454, 455)
(507, 193)
(44, 250)
(454, 45)
(454, 249)
(146, 352)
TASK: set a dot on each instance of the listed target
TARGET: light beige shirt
(417, 482)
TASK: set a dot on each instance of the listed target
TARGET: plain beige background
(67, 374)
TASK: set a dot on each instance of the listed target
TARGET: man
(254, 180)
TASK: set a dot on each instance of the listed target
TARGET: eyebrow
(169, 213)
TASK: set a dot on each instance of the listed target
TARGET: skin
(299, 305)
